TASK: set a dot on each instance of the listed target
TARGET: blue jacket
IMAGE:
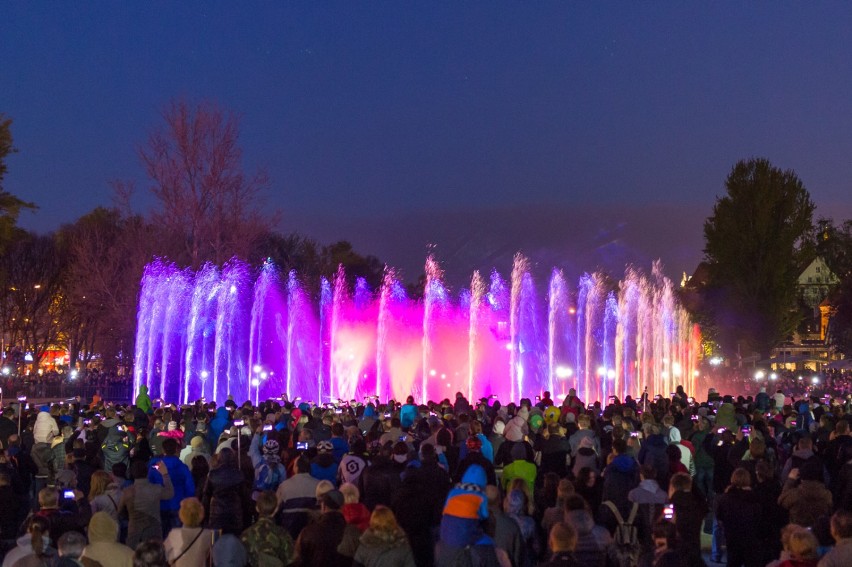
(218, 425)
(465, 510)
(181, 479)
(407, 415)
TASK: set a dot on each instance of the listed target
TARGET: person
(103, 543)
(841, 530)
(384, 543)
(562, 541)
(807, 500)
(353, 510)
(226, 497)
(150, 553)
(690, 509)
(104, 494)
(181, 477)
(229, 551)
(70, 547)
(141, 503)
(506, 531)
(189, 544)
(802, 547)
(197, 448)
(407, 413)
(65, 518)
(269, 473)
(554, 514)
(739, 512)
(267, 544)
(665, 547)
(462, 536)
(320, 541)
(35, 543)
(143, 400)
(296, 496)
(592, 539)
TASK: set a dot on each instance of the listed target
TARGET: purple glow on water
(253, 334)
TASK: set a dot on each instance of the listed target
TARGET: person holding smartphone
(141, 503)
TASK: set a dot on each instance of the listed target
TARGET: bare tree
(209, 209)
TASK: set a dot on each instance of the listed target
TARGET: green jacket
(268, 544)
(143, 400)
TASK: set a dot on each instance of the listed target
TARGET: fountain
(254, 334)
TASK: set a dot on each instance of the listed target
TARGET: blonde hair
(323, 486)
(351, 494)
(803, 545)
(191, 512)
(383, 521)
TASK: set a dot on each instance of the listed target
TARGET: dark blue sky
(584, 134)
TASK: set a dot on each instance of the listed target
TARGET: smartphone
(668, 512)
(239, 423)
(387, 415)
(338, 410)
(68, 494)
(121, 427)
(721, 430)
(267, 428)
(634, 434)
(694, 418)
(691, 400)
(746, 430)
(301, 445)
(87, 422)
(403, 438)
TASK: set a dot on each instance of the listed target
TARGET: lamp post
(21, 400)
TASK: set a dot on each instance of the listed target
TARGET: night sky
(584, 134)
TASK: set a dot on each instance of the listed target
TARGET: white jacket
(45, 428)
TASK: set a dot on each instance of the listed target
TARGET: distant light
(508, 346)
(6, 371)
(800, 377)
(233, 289)
(443, 376)
(28, 357)
(610, 373)
(571, 311)
(563, 372)
(204, 374)
(73, 374)
(759, 375)
(433, 372)
(256, 368)
(264, 375)
(715, 361)
(695, 373)
(676, 369)
(814, 380)
(601, 371)
(773, 376)
(255, 382)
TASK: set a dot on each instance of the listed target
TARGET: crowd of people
(636, 482)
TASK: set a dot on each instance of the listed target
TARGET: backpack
(267, 478)
(625, 549)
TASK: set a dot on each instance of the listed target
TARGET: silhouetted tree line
(77, 287)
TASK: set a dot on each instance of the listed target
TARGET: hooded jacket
(143, 400)
(218, 425)
(384, 550)
(103, 543)
(45, 428)
(465, 510)
(592, 540)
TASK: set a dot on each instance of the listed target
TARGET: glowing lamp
(601, 371)
(563, 372)
(759, 375)
(255, 382)
(610, 373)
(773, 376)
(814, 380)
(204, 375)
(256, 368)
